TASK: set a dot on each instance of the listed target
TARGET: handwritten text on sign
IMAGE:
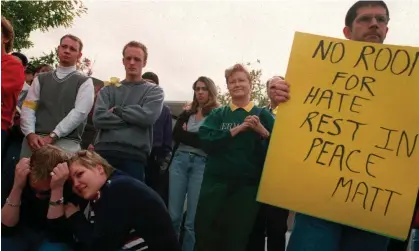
(344, 146)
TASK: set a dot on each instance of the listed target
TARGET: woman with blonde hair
(236, 139)
(123, 213)
(187, 167)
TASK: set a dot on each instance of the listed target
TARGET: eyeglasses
(367, 19)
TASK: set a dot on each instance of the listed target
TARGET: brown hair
(136, 44)
(212, 97)
(90, 159)
(353, 11)
(8, 32)
(45, 159)
(269, 81)
(237, 68)
(72, 37)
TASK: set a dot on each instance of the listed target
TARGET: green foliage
(85, 65)
(50, 58)
(258, 92)
(28, 16)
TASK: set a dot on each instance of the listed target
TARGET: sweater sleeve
(212, 137)
(267, 120)
(102, 117)
(185, 137)
(12, 77)
(82, 106)
(29, 106)
(144, 115)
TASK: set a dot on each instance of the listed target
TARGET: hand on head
(59, 176)
(21, 173)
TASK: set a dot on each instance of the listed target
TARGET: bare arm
(11, 210)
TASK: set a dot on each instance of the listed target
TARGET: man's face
(370, 25)
(29, 78)
(69, 52)
(134, 61)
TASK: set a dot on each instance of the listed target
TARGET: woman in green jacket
(236, 140)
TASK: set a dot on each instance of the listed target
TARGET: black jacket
(182, 136)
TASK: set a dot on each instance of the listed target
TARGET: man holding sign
(366, 21)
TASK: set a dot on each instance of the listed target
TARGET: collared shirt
(271, 110)
(247, 107)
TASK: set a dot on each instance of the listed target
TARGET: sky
(188, 39)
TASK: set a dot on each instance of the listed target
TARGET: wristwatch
(53, 136)
(57, 202)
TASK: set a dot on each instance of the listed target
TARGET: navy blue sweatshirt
(125, 204)
(162, 133)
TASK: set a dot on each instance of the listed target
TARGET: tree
(258, 92)
(49, 59)
(85, 65)
(27, 16)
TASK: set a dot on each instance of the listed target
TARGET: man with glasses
(365, 21)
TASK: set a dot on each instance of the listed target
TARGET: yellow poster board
(345, 146)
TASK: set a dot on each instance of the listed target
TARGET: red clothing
(12, 80)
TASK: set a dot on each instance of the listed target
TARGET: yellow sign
(344, 148)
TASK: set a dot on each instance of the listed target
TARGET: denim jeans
(185, 178)
(313, 234)
(134, 168)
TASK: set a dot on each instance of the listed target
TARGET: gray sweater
(128, 129)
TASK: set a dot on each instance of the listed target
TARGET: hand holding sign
(282, 90)
(351, 135)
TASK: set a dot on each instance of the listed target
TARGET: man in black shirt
(156, 172)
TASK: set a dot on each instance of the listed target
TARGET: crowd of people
(125, 186)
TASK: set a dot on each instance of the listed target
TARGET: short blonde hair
(90, 159)
(136, 44)
(45, 159)
(237, 68)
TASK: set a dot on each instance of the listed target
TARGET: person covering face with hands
(33, 215)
